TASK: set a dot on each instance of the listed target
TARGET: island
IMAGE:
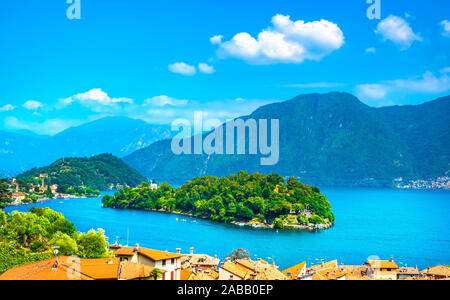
(73, 178)
(257, 200)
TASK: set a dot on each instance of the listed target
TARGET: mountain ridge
(325, 139)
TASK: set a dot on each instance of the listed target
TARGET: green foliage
(93, 244)
(12, 256)
(278, 223)
(315, 220)
(32, 236)
(5, 197)
(156, 274)
(81, 176)
(238, 197)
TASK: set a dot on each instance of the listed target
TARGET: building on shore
(295, 272)
(198, 262)
(382, 269)
(436, 273)
(163, 260)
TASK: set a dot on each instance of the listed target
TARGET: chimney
(137, 246)
(178, 250)
(215, 256)
(228, 259)
(392, 258)
(192, 250)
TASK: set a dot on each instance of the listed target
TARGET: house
(199, 261)
(354, 272)
(72, 268)
(404, 273)
(295, 272)
(382, 269)
(436, 272)
(18, 197)
(247, 269)
(163, 260)
(324, 271)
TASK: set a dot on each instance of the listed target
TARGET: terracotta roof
(330, 273)
(130, 270)
(236, 269)
(127, 251)
(207, 274)
(188, 260)
(185, 273)
(330, 264)
(263, 270)
(99, 268)
(382, 264)
(294, 271)
(150, 253)
(157, 254)
(437, 271)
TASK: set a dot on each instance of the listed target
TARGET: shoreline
(55, 198)
(239, 223)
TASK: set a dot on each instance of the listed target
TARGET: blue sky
(161, 60)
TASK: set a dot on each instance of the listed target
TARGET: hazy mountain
(328, 139)
(117, 135)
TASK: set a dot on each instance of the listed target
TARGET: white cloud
(371, 50)
(164, 100)
(428, 83)
(371, 91)
(216, 40)
(398, 31)
(182, 68)
(286, 42)
(7, 107)
(97, 100)
(446, 28)
(49, 126)
(205, 68)
(32, 105)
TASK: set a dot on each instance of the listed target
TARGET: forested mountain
(328, 139)
(22, 150)
(98, 173)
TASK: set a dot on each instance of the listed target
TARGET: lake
(412, 226)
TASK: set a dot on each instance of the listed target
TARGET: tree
(93, 244)
(278, 223)
(67, 246)
(240, 254)
(5, 195)
(156, 273)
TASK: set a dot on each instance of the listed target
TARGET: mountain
(20, 151)
(98, 172)
(328, 140)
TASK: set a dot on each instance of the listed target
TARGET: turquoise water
(412, 226)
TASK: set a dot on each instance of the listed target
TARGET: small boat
(176, 219)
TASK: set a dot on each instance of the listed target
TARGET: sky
(163, 60)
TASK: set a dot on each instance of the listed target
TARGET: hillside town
(139, 263)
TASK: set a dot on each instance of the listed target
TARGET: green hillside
(100, 172)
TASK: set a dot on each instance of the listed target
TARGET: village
(139, 263)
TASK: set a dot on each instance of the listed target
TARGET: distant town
(440, 183)
(139, 263)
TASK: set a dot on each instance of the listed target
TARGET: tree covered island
(244, 199)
